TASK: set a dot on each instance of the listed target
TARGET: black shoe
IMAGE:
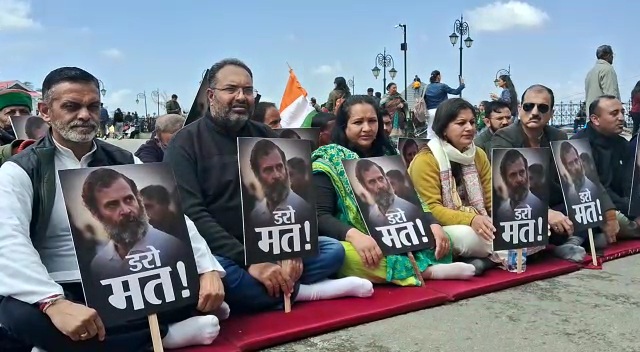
(481, 265)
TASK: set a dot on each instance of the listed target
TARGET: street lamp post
(501, 72)
(156, 95)
(460, 29)
(102, 90)
(352, 84)
(384, 60)
(403, 47)
(143, 95)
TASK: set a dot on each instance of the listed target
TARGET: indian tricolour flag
(295, 109)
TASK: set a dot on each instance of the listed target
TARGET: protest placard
(131, 240)
(520, 197)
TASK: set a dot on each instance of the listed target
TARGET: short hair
(170, 123)
(594, 105)
(363, 165)
(508, 159)
(536, 169)
(494, 106)
(66, 74)
(261, 149)
(156, 193)
(298, 164)
(32, 124)
(212, 78)
(174, 96)
(321, 120)
(261, 110)
(409, 143)
(369, 90)
(396, 175)
(290, 134)
(100, 179)
(447, 112)
(538, 88)
(603, 52)
(566, 147)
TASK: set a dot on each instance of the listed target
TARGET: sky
(139, 46)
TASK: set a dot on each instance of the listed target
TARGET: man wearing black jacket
(609, 151)
(204, 158)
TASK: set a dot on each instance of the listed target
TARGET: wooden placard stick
(416, 270)
(285, 264)
(519, 260)
(594, 256)
(156, 338)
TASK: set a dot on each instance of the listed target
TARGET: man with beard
(157, 202)
(114, 200)
(372, 178)
(497, 115)
(532, 130)
(41, 298)
(268, 164)
(572, 162)
(514, 170)
(299, 176)
(13, 102)
(204, 158)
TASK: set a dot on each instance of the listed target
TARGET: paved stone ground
(589, 310)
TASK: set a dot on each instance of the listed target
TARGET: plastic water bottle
(512, 260)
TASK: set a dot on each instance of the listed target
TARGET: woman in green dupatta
(398, 109)
(357, 134)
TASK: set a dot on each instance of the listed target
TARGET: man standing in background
(602, 79)
(172, 106)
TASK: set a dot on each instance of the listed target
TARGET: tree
(28, 84)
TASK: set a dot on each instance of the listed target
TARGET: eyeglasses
(542, 108)
(247, 91)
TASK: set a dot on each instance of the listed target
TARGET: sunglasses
(542, 108)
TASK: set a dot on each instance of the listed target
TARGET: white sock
(222, 312)
(200, 330)
(453, 271)
(329, 289)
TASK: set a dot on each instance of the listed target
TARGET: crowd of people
(41, 299)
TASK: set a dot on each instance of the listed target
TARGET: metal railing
(564, 113)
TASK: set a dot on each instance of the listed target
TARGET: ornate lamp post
(155, 94)
(501, 72)
(352, 84)
(102, 90)
(460, 29)
(143, 95)
(385, 60)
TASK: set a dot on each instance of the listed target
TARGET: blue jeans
(244, 293)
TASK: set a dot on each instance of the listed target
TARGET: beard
(128, 231)
(69, 131)
(384, 198)
(224, 116)
(276, 192)
(519, 192)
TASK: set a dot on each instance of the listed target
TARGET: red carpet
(617, 250)
(314, 318)
(498, 279)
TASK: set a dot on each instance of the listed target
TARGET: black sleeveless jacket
(39, 163)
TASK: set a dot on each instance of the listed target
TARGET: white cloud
(112, 53)
(499, 16)
(16, 15)
(118, 99)
(328, 69)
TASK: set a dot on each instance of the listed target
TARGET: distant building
(35, 95)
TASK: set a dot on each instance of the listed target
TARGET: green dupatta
(328, 160)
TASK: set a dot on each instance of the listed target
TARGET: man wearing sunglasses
(533, 131)
(613, 160)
